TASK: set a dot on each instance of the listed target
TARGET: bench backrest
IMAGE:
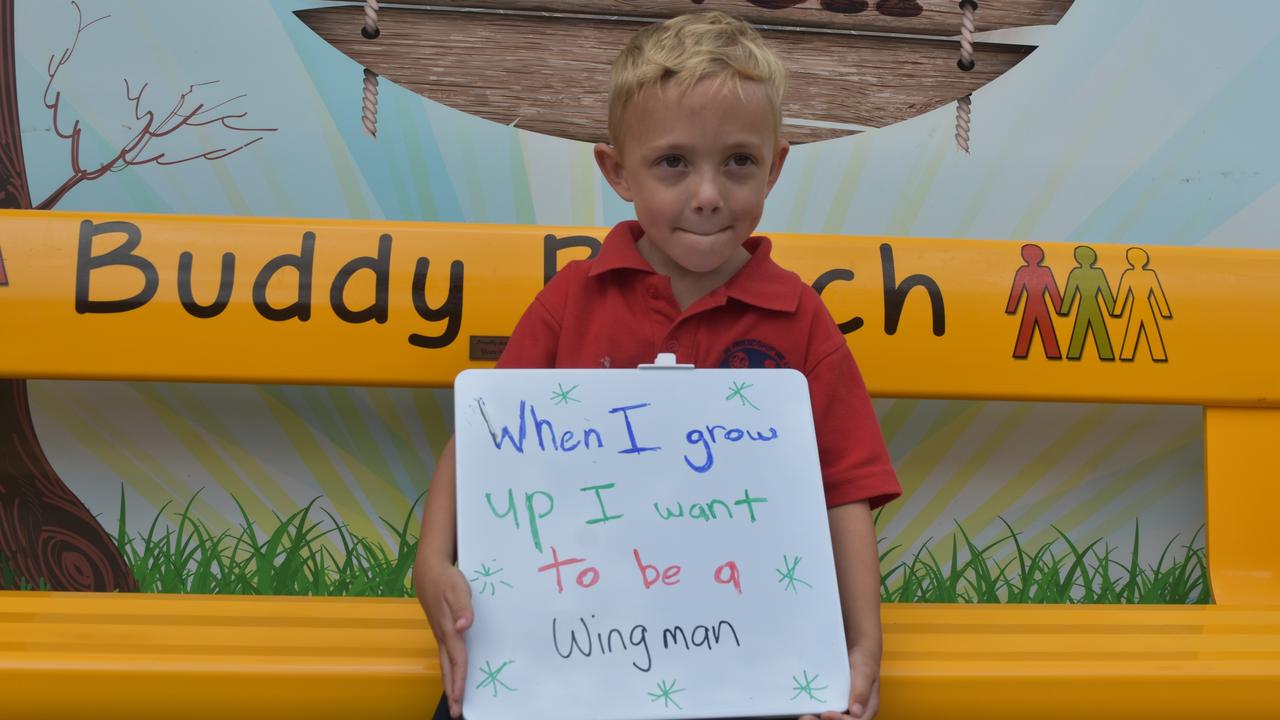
(150, 297)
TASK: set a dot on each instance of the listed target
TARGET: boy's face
(698, 166)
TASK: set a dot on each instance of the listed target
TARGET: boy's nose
(707, 195)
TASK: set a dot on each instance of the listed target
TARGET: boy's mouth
(704, 234)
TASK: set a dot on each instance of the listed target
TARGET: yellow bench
(141, 656)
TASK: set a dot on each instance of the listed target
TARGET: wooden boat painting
(542, 65)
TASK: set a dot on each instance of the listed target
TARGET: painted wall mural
(1086, 122)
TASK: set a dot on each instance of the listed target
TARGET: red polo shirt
(615, 311)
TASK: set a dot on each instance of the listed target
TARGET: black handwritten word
(674, 637)
(300, 265)
(588, 646)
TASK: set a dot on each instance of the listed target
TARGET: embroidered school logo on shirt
(753, 354)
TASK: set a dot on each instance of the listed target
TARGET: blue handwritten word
(631, 434)
(697, 437)
(546, 434)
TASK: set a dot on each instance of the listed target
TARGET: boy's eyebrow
(730, 146)
(746, 144)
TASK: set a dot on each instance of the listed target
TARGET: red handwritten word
(587, 577)
(732, 578)
(669, 576)
(650, 575)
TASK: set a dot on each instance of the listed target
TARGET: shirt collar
(760, 282)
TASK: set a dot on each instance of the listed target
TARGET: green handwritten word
(534, 513)
(604, 514)
(711, 509)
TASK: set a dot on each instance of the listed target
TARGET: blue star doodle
(491, 677)
(736, 390)
(564, 397)
(665, 692)
(789, 577)
(486, 576)
(807, 687)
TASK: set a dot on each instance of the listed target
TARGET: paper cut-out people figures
(1035, 281)
(1142, 296)
(1090, 284)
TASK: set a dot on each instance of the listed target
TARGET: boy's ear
(610, 162)
(779, 157)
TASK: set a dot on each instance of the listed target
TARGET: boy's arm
(441, 587)
(853, 542)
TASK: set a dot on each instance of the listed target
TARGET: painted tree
(46, 533)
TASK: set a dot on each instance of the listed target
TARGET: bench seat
(163, 656)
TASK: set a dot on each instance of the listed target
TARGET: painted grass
(11, 580)
(295, 558)
(290, 559)
(1057, 572)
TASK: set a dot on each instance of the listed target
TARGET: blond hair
(686, 49)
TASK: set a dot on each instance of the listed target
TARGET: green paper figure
(1089, 283)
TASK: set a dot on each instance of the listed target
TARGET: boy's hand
(448, 606)
(864, 688)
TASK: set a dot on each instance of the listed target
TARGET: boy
(695, 121)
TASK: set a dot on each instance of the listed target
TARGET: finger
(459, 668)
(446, 675)
(456, 645)
(860, 692)
(458, 598)
(451, 644)
(873, 703)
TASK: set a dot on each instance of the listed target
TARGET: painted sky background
(1133, 122)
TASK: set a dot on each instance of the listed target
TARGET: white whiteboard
(729, 457)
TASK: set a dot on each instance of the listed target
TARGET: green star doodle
(564, 397)
(486, 577)
(665, 692)
(491, 677)
(807, 688)
(736, 391)
(789, 577)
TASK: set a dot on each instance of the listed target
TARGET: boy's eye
(671, 161)
(741, 160)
